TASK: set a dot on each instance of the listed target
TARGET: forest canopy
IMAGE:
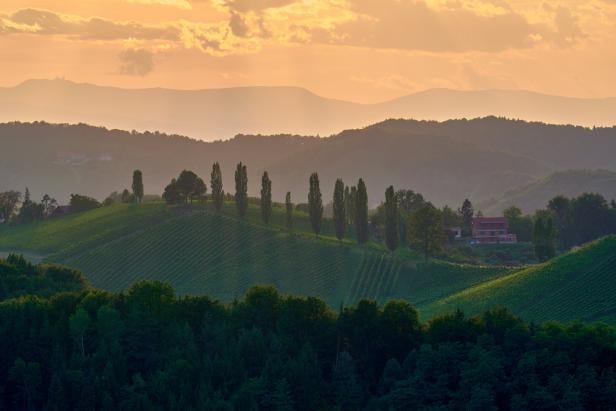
(148, 349)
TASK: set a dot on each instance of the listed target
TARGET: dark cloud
(136, 62)
(238, 25)
(45, 22)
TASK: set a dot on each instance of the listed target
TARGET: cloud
(182, 4)
(243, 6)
(43, 22)
(136, 62)
(413, 25)
(238, 25)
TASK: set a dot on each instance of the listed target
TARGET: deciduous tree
(425, 230)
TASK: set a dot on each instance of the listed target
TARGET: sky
(359, 50)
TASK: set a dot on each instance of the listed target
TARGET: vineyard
(576, 285)
(200, 251)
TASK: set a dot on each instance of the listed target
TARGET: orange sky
(359, 50)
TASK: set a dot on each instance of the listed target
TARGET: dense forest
(147, 349)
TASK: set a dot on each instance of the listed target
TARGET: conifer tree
(391, 219)
(218, 194)
(289, 207)
(339, 209)
(241, 189)
(315, 204)
(138, 185)
(361, 212)
(266, 198)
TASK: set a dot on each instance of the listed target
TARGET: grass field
(580, 284)
(200, 251)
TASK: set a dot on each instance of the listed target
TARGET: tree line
(146, 349)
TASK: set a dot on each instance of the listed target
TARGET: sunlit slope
(578, 285)
(200, 251)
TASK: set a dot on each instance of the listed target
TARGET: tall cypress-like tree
(138, 185)
(347, 204)
(218, 195)
(391, 219)
(361, 212)
(352, 204)
(339, 209)
(315, 204)
(241, 189)
(467, 213)
(266, 198)
(289, 207)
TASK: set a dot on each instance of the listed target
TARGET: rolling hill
(576, 285)
(222, 113)
(200, 251)
(447, 162)
(569, 183)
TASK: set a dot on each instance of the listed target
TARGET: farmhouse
(492, 230)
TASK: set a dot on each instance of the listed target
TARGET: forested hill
(447, 162)
(569, 183)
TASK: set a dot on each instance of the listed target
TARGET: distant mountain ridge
(446, 161)
(211, 114)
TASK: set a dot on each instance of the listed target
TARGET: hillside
(447, 162)
(222, 113)
(577, 285)
(570, 183)
(202, 252)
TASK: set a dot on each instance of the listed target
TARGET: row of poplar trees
(350, 204)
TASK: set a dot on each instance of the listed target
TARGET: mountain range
(212, 114)
(447, 161)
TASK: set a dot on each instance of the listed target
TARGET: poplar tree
(347, 204)
(266, 198)
(352, 204)
(241, 189)
(339, 209)
(289, 207)
(467, 213)
(391, 219)
(138, 185)
(315, 204)
(218, 194)
(361, 212)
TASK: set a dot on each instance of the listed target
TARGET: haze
(363, 51)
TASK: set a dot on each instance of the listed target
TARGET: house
(492, 230)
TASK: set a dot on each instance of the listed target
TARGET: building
(492, 230)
